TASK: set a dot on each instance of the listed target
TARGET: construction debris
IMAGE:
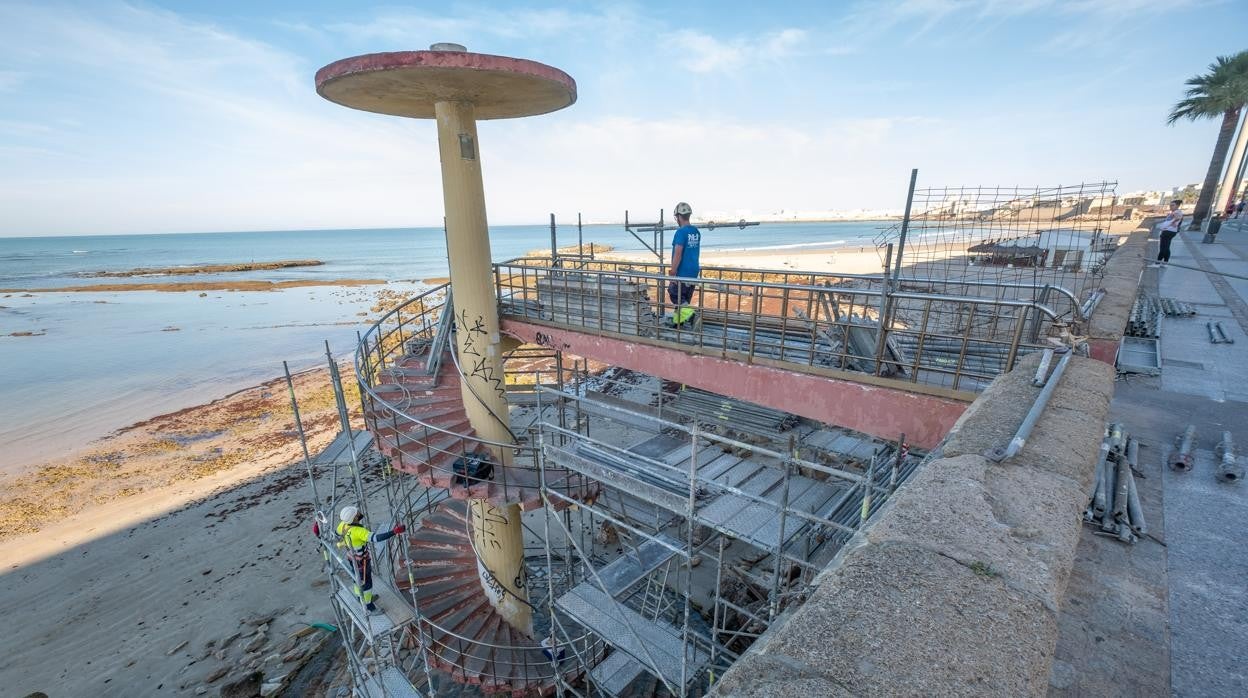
(1114, 505)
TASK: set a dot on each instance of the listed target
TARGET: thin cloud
(10, 80)
(703, 53)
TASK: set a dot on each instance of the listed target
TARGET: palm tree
(1223, 91)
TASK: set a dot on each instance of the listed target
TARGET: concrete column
(497, 534)
(1227, 188)
(499, 540)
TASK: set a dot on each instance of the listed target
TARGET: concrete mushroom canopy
(410, 83)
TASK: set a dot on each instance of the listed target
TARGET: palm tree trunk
(1230, 119)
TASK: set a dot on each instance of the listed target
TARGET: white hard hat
(348, 514)
(683, 209)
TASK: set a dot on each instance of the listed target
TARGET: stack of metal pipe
(1177, 308)
(1114, 506)
(710, 408)
(1145, 320)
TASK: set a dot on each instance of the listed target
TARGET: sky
(147, 117)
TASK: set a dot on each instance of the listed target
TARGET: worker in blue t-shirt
(686, 246)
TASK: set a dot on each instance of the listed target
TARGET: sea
(76, 366)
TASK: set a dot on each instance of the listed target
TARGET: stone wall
(954, 588)
(1121, 282)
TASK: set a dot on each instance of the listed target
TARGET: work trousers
(1163, 254)
(364, 581)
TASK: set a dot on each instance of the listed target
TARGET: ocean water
(101, 361)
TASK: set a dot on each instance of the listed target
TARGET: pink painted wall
(880, 411)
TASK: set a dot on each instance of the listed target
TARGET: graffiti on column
(486, 513)
(476, 337)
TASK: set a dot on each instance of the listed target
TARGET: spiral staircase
(418, 420)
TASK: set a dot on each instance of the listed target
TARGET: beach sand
(177, 530)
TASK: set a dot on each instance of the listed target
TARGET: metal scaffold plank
(634, 565)
(389, 683)
(371, 625)
(629, 631)
(616, 672)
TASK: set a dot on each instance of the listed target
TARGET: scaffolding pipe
(1181, 458)
(1207, 271)
(1228, 469)
(1135, 511)
(1001, 454)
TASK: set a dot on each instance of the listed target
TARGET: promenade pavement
(1170, 614)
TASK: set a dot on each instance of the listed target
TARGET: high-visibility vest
(355, 539)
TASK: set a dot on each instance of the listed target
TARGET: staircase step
(446, 606)
(423, 558)
(442, 461)
(424, 414)
(478, 658)
(439, 541)
(441, 580)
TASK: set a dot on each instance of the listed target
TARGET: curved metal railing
(428, 442)
(466, 658)
(957, 341)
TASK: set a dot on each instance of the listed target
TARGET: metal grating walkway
(655, 644)
(756, 522)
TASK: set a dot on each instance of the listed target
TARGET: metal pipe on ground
(1181, 458)
(1099, 496)
(1228, 469)
(1226, 339)
(1002, 453)
(1134, 510)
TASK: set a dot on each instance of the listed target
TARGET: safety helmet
(348, 514)
(683, 209)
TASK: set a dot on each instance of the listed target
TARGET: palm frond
(1210, 95)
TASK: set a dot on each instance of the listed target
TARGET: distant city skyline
(150, 117)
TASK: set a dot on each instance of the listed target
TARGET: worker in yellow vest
(355, 539)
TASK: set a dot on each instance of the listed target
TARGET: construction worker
(686, 246)
(355, 538)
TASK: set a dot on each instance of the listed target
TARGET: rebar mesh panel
(962, 238)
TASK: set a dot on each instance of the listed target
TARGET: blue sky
(184, 116)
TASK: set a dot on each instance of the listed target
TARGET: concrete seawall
(954, 589)
(1121, 281)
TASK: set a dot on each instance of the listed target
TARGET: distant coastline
(181, 286)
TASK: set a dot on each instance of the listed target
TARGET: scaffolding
(661, 538)
(714, 536)
(664, 527)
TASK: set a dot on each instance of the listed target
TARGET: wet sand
(172, 552)
(206, 269)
